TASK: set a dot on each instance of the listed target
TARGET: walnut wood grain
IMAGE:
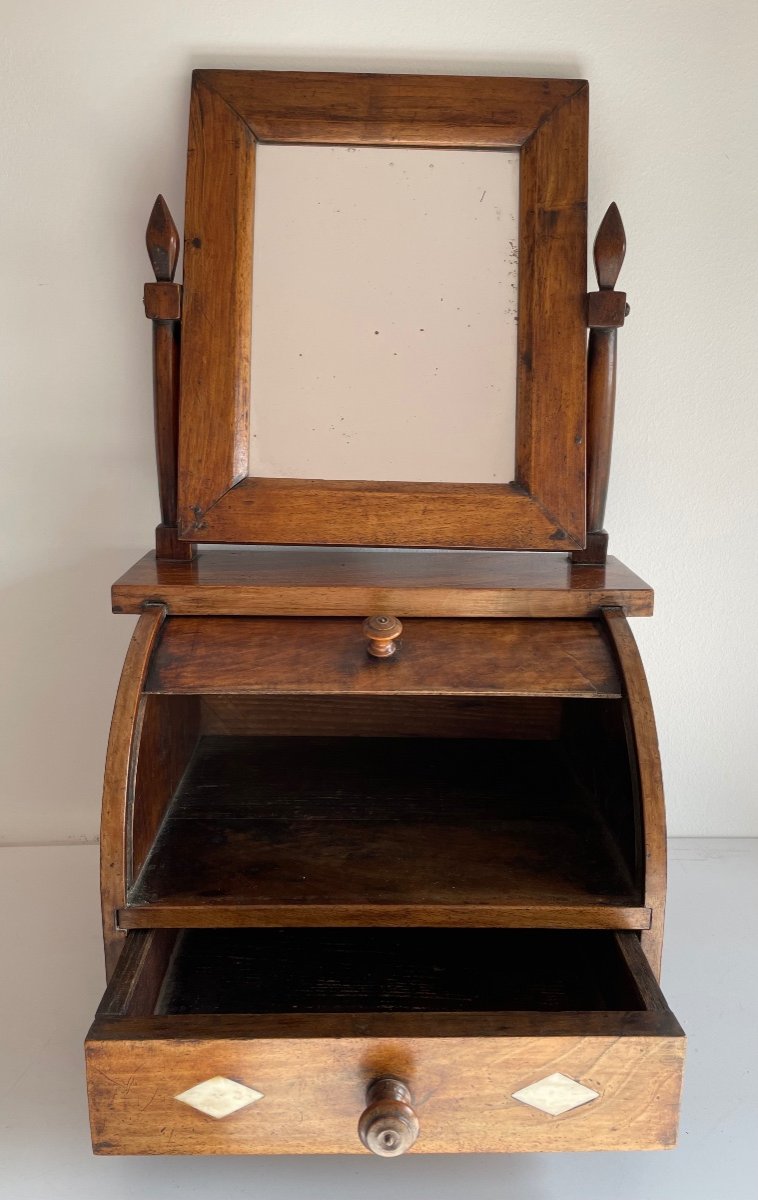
(327, 656)
(163, 301)
(646, 983)
(162, 241)
(136, 982)
(609, 250)
(313, 1069)
(163, 306)
(412, 110)
(550, 455)
(166, 342)
(218, 245)
(535, 914)
(600, 761)
(382, 1025)
(382, 716)
(606, 311)
(230, 111)
(119, 777)
(314, 1092)
(647, 779)
(357, 512)
(168, 734)
(316, 581)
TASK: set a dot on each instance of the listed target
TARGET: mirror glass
(385, 288)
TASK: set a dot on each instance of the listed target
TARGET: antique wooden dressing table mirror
(383, 840)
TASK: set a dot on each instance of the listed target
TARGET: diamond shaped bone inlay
(555, 1094)
(219, 1097)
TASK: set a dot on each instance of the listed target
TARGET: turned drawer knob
(381, 634)
(389, 1126)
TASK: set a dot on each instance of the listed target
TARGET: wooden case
(471, 831)
(383, 841)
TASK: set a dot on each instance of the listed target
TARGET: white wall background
(93, 104)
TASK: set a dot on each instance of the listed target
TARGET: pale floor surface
(52, 979)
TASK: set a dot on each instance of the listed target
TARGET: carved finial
(609, 249)
(162, 240)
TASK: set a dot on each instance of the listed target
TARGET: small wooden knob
(388, 1126)
(382, 634)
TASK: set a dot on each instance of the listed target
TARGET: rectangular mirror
(363, 362)
(384, 315)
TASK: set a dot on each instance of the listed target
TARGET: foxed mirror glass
(384, 310)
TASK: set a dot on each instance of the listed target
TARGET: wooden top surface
(350, 581)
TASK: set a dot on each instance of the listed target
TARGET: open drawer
(265, 1041)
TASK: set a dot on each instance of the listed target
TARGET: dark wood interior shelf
(381, 831)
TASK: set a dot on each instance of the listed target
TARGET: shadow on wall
(358, 59)
(62, 657)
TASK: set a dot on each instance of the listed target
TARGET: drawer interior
(391, 970)
(463, 972)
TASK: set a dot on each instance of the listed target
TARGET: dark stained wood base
(168, 547)
(595, 553)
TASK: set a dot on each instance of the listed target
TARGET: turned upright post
(163, 306)
(606, 310)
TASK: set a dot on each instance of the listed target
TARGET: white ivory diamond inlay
(219, 1096)
(555, 1094)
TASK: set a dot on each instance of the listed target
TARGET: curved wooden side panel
(120, 766)
(644, 749)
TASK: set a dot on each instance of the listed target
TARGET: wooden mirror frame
(546, 120)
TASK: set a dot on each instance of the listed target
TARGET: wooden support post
(163, 306)
(606, 310)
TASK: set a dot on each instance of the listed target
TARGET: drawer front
(268, 1042)
(313, 1091)
(321, 656)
